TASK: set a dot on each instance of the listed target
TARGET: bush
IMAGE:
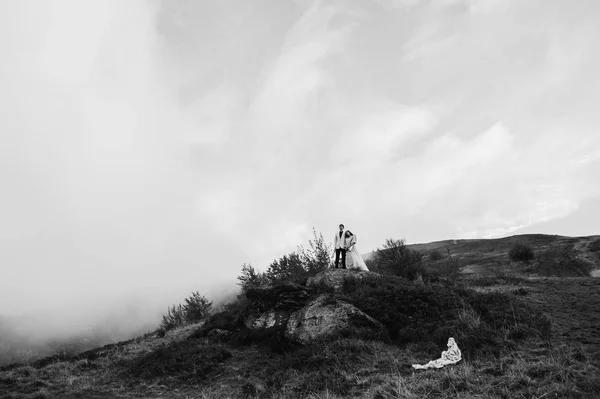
(288, 268)
(396, 259)
(435, 255)
(317, 258)
(196, 308)
(410, 312)
(295, 267)
(173, 318)
(521, 252)
(250, 278)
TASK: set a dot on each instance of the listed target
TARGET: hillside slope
(490, 256)
(522, 335)
(519, 339)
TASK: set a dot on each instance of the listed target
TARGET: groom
(340, 247)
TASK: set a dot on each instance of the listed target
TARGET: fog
(99, 196)
(150, 148)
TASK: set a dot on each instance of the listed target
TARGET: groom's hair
(341, 225)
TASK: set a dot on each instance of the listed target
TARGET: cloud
(162, 144)
(98, 188)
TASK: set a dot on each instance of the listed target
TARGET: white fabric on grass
(451, 356)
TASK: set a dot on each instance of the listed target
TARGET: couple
(345, 245)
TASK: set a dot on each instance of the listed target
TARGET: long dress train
(353, 258)
(451, 356)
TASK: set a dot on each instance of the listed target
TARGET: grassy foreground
(565, 363)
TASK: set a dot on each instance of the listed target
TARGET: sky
(150, 148)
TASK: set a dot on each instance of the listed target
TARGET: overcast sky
(152, 147)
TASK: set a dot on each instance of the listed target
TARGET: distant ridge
(497, 245)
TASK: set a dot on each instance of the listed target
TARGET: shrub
(288, 268)
(318, 257)
(196, 308)
(521, 252)
(174, 317)
(396, 259)
(294, 267)
(250, 278)
(435, 255)
(410, 312)
(230, 318)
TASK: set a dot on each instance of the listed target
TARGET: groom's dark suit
(340, 249)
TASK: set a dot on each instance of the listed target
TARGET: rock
(272, 306)
(267, 320)
(324, 317)
(334, 278)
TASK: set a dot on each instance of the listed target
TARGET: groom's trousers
(339, 251)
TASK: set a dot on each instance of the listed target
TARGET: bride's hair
(349, 233)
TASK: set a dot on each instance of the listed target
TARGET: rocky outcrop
(325, 317)
(292, 311)
(271, 307)
(334, 278)
(267, 320)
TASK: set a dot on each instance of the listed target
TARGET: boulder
(267, 320)
(326, 317)
(334, 278)
(270, 307)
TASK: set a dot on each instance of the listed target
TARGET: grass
(520, 337)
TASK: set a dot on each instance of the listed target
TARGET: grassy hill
(525, 330)
(490, 256)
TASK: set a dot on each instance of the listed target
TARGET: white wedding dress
(451, 356)
(353, 258)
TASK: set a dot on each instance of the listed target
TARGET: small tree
(318, 257)
(395, 258)
(196, 308)
(174, 317)
(521, 252)
(250, 277)
(287, 268)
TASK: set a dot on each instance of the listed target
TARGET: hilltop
(525, 330)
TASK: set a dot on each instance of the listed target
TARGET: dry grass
(565, 365)
(340, 369)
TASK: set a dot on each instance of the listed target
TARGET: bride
(353, 258)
